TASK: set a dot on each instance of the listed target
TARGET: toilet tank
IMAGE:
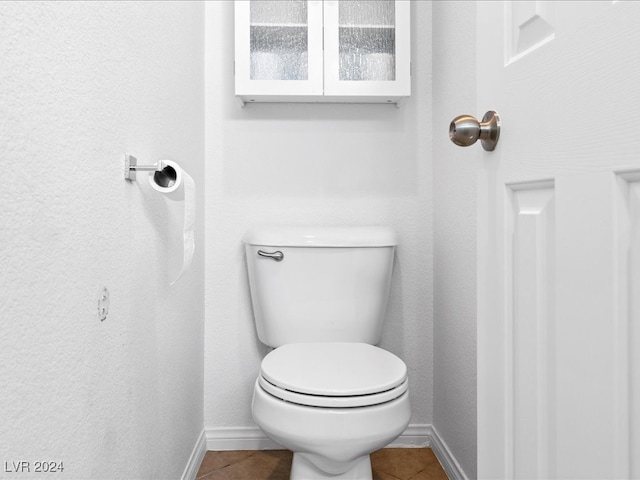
(331, 284)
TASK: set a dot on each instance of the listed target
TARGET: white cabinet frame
(400, 87)
(249, 89)
(323, 83)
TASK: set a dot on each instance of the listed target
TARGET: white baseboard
(238, 438)
(449, 463)
(415, 435)
(252, 438)
(197, 454)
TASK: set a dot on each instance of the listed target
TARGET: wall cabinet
(322, 51)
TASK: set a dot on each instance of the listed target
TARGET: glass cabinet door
(278, 47)
(367, 47)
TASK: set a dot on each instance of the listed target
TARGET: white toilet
(326, 392)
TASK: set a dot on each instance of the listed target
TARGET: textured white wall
(454, 93)
(81, 83)
(306, 165)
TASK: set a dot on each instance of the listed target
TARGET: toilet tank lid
(369, 236)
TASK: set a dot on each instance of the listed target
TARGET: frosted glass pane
(279, 46)
(367, 12)
(367, 40)
(279, 11)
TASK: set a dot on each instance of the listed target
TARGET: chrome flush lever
(277, 255)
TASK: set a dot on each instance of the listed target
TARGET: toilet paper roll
(176, 184)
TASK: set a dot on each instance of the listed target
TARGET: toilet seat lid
(333, 369)
(332, 402)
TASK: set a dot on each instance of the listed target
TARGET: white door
(367, 48)
(278, 48)
(559, 241)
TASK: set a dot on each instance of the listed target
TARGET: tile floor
(387, 464)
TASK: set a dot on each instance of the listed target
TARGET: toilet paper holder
(164, 176)
(167, 178)
(131, 167)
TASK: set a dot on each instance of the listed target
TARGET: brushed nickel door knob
(465, 130)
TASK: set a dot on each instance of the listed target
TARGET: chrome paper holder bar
(131, 167)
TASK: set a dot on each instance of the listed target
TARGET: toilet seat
(333, 402)
(334, 375)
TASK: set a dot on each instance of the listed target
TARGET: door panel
(559, 241)
(530, 266)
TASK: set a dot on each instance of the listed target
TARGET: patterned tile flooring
(387, 464)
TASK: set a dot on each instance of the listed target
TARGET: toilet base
(303, 468)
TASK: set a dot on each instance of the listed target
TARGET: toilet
(325, 391)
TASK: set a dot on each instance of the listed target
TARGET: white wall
(304, 164)
(454, 173)
(81, 83)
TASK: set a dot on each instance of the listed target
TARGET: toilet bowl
(332, 404)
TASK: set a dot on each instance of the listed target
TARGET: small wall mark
(103, 304)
